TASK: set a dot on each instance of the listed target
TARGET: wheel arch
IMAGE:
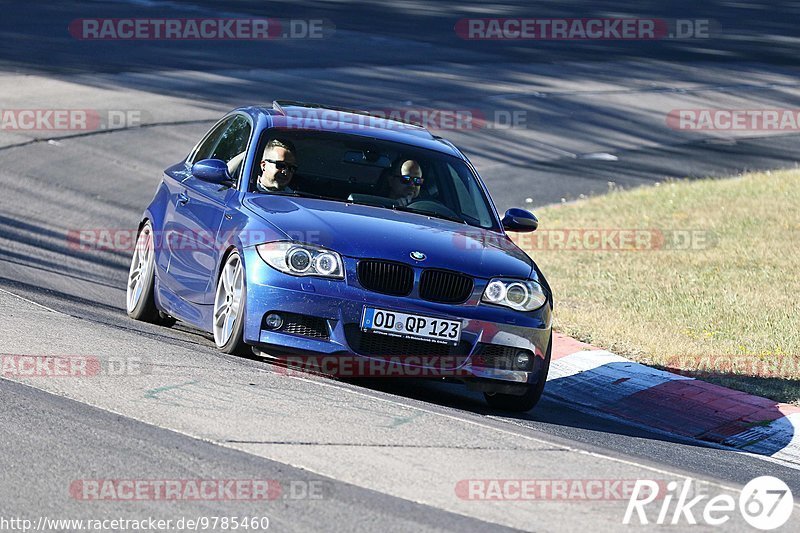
(223, 258)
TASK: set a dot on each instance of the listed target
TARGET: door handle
(183, 199)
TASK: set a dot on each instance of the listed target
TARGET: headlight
(522, 295)
(300, 259)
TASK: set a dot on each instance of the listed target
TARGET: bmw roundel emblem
(418, 256)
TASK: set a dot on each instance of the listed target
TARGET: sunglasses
(282, 165)
(408, 179)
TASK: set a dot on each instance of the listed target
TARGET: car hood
(372, 232)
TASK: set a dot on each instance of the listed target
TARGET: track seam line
(414, 446)
(103, 132)
(34, 303)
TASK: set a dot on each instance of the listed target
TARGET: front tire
(229, 304)
(527, 401)
(140, 301)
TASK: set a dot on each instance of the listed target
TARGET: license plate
(438, 330)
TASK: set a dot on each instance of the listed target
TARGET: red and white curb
(584, 375)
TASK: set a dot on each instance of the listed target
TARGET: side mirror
(213, 171)
(520, 220)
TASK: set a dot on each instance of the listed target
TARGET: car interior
(351, 169)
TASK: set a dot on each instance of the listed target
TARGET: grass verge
(698, 277)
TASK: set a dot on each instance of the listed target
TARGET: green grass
(735, 297)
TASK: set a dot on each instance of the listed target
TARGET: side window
(207, 148)
(233, 141)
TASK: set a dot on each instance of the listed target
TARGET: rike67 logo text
(765, 503)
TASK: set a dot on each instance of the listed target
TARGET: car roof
(318, 117)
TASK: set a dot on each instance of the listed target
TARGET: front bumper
(340, 303)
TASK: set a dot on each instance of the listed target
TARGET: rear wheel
(229, 307)
(532, 395)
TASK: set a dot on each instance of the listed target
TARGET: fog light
(523, 360)
(273, 321)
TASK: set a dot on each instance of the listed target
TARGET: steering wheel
(434, 207)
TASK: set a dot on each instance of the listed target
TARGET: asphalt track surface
(388, 455)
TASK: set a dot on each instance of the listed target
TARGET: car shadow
(665, 412)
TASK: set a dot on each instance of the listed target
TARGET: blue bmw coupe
(304, 230)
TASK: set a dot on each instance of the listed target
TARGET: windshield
(367, 171)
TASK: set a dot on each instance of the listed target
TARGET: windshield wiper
(302, 194)
(428, 213)
(405, 209)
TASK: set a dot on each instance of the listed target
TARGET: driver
(404, 187)
(277, 167)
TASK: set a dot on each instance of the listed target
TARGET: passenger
(404, 187)
(277, 167)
